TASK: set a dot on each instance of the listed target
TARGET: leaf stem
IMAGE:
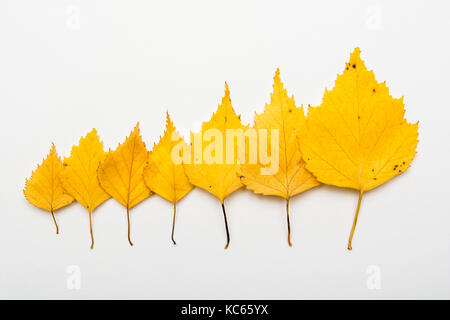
(54, 220)
(288, 223)
(90, 229)
(173, 222)
(128, 220)
(355, 220)
(226, 225)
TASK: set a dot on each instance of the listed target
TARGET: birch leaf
(358, 137)
(79, 177)
(210, 170)
(44, 188)
(288, 175)
(162, 175)
(121, 173)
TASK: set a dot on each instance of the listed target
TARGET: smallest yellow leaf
(44, 189)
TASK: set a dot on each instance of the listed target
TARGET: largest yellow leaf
(44, 188)
(358, 137)
(163, 175)
(286, 121)
(121, 173)
(79, 177)
(210, 170)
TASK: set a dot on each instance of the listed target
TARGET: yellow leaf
(286, 121)
(162, 175)
(358, 137)
(121, 173)
(44, 188)
(79, 177)
(210, 170)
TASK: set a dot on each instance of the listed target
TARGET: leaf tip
(355, 60)
(169, 123)
(277, 83)
(227, 90)
(277, 75)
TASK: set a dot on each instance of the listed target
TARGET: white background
(69, 66)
